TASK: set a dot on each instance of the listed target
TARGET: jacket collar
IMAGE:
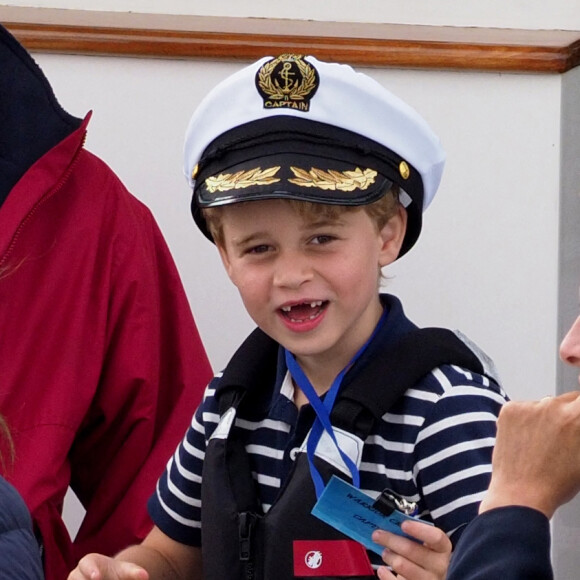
(32, 120)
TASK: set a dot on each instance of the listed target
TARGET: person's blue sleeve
(20, 557)
(511, 543)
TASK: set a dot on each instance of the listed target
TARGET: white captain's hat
(294, 127)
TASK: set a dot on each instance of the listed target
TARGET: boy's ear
(392, 235)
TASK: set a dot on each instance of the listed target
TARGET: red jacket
(101, 365)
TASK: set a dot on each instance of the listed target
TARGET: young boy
(310, 178)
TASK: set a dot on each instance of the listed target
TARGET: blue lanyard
(323, 409)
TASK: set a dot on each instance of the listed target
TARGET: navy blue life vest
(239, 541)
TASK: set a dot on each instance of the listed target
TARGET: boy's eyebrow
(245, 240)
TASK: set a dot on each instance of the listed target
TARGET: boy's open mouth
(304, 311)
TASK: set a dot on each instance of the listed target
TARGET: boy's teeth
(315, 304)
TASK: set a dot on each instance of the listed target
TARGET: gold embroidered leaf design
(265, 81)
(242, 179)
(332, 179)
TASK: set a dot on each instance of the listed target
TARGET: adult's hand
(536, 460)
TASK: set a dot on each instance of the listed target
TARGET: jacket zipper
(44, 198)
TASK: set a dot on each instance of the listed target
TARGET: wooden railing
(381, 45)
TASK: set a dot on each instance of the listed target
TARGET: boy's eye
(259, 249)
(322, 239)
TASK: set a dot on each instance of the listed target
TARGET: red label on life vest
(330, 558)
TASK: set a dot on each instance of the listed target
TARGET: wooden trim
(206, 37)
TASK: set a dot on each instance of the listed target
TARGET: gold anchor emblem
(288, 81)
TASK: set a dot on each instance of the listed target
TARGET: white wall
(533, 14)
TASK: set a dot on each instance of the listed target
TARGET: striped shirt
(433, 447)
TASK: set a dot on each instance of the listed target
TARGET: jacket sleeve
(153, 375)
(19, 549)
(511, 543)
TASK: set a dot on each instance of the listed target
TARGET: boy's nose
(292, 270)
(570, 347)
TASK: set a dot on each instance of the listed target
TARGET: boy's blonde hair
(380, 211)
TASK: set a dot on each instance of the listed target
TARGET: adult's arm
(535, 470)
(511, 543)
(153, 375)
(19, 549)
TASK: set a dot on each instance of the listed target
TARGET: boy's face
(311, 285)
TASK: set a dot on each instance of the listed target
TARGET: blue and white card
(351, 512)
